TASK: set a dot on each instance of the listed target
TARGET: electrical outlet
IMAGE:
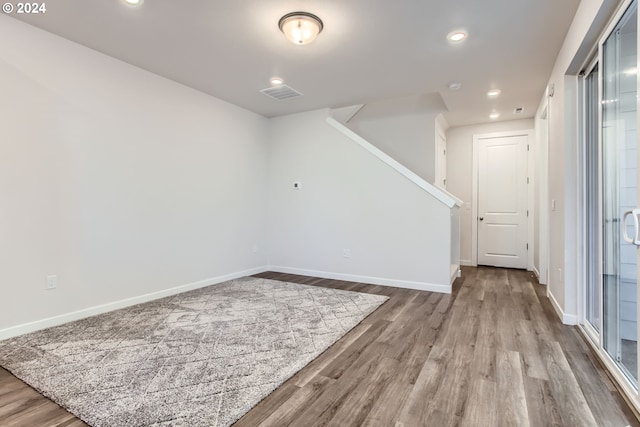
(52, 282)
(346, 253)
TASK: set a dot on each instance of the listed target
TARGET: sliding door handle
(636, 227)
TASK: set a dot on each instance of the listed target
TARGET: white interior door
(502, 201)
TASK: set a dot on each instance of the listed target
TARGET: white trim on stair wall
(443, 196)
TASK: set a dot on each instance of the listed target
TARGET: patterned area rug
(201, 358)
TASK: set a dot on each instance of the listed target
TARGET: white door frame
(474, 204)
(581, 221)
(441, 127)
(541, 166)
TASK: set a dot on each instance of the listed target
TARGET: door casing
(474, 205)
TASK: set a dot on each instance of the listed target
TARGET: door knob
(481, 218)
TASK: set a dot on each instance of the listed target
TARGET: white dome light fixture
(134, 2)
(300, 27)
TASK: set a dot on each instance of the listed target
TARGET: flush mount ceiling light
(494, 93)
(133, 2)
(276, 81)
(455, 86)
(457, 36)
(494, 115)
(300, 27)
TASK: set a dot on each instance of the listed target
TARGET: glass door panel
(619, 193)
(592, 203)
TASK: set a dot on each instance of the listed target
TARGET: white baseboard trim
(567, 319)
(421, 286)
(99, 309)
(536, 272)
(467, 263)
(456, 273)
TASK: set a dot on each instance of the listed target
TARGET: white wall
(460, 166)
(404, 128)
(119, 181)
(352, 201)
(562, 161)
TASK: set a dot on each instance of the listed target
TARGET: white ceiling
(369, 49)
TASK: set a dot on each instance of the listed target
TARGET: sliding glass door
(610, 198)
(619, 191)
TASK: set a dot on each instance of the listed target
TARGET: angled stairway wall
(395, 227)
(404, 128)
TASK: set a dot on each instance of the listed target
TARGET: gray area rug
(201, 358)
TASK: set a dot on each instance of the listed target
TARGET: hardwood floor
(491, 354)
(20, 405)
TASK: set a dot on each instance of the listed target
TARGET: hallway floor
(494, 353)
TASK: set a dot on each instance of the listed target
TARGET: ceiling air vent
(281, 92)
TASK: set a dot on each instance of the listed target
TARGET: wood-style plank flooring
(491, 354)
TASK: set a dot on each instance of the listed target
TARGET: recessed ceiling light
(494, 115)
(494, 93)
(457, 36)
(455, 85)
(133, 2)
(276, 81)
